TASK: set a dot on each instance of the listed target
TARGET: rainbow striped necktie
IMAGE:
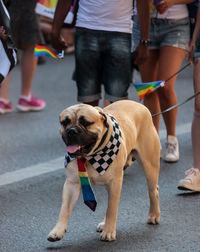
(88, 194)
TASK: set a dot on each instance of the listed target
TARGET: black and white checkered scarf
(104, 158)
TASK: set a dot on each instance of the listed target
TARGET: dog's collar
(103, 138)
(104, 157)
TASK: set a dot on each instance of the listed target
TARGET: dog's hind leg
(154, 210)
(150, 158)
(71, 192)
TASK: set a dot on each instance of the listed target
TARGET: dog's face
(82, 127)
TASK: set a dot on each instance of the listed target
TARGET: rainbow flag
(145, 88)
(87, 191)
(42, 50)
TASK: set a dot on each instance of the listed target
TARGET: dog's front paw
(56, 234)
(153, 218)
(108, 234)
(100, 227)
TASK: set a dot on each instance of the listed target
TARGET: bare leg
(4, 90)
(196, 118)
(192, 180)
(28, 68)
(106, 103)
(94, 103)
(148, 72)
(171, 59)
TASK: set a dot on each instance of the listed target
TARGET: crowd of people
(106, 34)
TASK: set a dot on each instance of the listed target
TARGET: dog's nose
(72, 132)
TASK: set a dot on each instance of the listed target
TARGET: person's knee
(167, 93)
(197, 104)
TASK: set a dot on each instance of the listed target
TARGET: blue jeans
(102, 57)
(197, 51)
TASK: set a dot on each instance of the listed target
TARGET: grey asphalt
(29, 208)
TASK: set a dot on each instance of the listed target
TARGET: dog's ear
(104, 116)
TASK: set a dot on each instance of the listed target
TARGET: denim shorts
(24, 23)
(169, 32)
(102, 57)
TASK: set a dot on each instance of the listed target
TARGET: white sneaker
(171, 153)
(191, 182)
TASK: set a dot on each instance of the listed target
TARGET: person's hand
(58, 41)
(141, 54)
(162, 6)
(3, 33)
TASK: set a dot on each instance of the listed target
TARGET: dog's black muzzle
(73, 135)
(77, 136)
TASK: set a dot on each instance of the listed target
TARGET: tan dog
(87, 130)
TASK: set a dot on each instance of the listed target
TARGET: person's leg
(4, 90)
(192, 180)
(148, 72)
(116, 65)
(5, 104)
(196, 118)
(28, 67)
(106, 103)
(45, 26)
(24, 27)
(170, 61)
(88, 66)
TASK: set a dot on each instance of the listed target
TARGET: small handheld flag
(42, 50)
(145, 88)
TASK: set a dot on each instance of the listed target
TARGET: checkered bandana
(102, 159)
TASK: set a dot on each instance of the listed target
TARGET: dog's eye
(65, 122)
(84, 122)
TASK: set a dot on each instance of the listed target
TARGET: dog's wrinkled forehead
(80, 113)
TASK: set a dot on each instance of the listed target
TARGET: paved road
(32, 175)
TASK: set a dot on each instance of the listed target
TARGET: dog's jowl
(100, 143)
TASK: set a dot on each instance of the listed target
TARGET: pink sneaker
(5, 107)
(34, 104)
